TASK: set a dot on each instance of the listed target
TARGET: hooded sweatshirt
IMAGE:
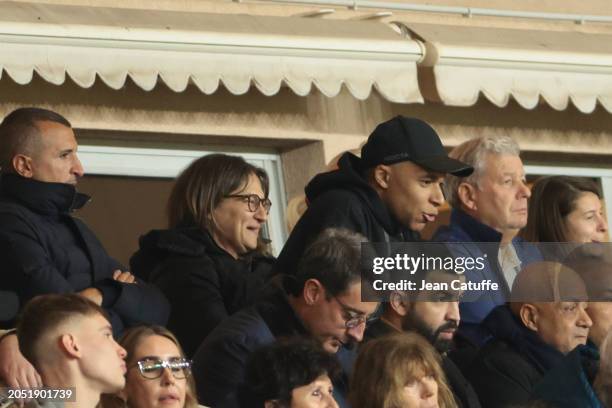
(343, 199)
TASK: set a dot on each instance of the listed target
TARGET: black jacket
(508, 367)
(220, 362)
(44, 249)
(462, 390)
(203, 283)
(341, 198)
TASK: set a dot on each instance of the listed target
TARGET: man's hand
(92, 294)
(15, 370)
(125, 277)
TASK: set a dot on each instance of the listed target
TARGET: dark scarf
(506, 327)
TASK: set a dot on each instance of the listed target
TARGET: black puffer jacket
(44, 249)
(341, 198)
(202, 281)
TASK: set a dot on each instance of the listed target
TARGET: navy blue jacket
(508, 367)
(466, 229)
(341, 198)
(44, 249)
(569, 384)
(220, 362)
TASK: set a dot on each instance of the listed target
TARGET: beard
(413, 323)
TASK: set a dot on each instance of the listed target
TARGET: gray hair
(474, 152)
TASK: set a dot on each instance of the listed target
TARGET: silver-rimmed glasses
(153, 367)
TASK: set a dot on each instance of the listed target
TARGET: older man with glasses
(323, 300)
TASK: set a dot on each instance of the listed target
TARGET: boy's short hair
(45, 313)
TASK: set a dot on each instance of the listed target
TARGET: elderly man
(434, 314)
(44, 249)
(388, 195)
(571, 383)
(593, 262)
(490, 206)
(322, 300)
(546, 320)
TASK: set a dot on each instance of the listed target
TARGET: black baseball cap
(410, 139)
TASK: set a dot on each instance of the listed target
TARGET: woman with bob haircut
(210, 262)
(291, 373)
(401, 370)
(565, 209)
(158, 373)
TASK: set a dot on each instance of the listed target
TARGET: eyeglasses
(152, 368)
(254, 201)
(351, 319)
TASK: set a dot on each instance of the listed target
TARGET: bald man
(546, 320)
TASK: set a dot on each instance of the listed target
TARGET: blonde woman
(158, 374)
(399, 371)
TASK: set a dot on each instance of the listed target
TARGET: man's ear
(70, 346)
(399, 304)
(381, 175)
(313, 291)
(23, 165)
(466, 193)
(529, 316)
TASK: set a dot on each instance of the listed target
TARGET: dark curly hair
(274, 371)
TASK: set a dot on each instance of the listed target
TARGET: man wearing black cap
(388, 195)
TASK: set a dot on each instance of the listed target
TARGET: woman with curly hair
(292, 373)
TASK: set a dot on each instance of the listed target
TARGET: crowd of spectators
(205, 316)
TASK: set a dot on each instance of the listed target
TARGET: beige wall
(598, 7)
(122, 209)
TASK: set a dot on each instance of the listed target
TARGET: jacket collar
(42, 197)
(348, 176)
(279, 315)
(189, 239)
(350, 162)
(505, 326)
(478, 231)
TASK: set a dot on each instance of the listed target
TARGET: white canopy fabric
(525, 64)
(206, 49)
